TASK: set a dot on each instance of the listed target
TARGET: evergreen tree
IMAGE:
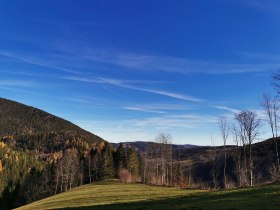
(120, 158)
(133, 163)
(107, 162)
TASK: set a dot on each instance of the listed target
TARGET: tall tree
(165, 146)
(224, 129)
(107, 161)
(158, 162)
(237, 142)
(214, 170)
(271, 106)
(249, 126)
(120, 158)
(132, 162)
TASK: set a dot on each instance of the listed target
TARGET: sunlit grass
(114, 195)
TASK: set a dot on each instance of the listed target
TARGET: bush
(125, 176)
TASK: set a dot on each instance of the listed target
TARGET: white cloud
(174, 64)
(228, 109)
(157, 108)
(125, 84)
(34, 60)
(141, 109)
(18, 83)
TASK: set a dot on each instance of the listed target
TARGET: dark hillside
(33, 129)
(17, 118)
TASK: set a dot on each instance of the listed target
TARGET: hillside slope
(114, 195)
(20, 119)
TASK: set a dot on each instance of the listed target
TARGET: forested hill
(18, 119)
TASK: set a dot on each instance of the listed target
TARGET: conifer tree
(107, 170)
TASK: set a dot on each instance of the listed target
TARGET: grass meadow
(115, 195)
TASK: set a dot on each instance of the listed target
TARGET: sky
(129, 70)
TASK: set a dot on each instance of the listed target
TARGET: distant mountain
(141, 146)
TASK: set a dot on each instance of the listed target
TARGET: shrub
(125, 176)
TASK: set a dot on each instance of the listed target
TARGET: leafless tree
(90, 163)
(224, 129)
(249, 126)
(237, 142)
(67, 171)
(165, 144)
(158, 166)
(214, 171)
(58, 173)
(271, 106)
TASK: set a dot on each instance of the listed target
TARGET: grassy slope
(112, 195)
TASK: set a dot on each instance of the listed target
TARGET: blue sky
(128, 70)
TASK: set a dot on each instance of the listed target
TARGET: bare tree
(158, 161)
(224, 128)
(164, 141)
(214, 171)
(237, 142)
(272, 108)
(249, 126)
(67, 170)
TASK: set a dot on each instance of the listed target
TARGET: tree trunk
(225, 165)
(277, 155)
(89, 169)
(251, 166)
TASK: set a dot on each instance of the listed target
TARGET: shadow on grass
(263, 198)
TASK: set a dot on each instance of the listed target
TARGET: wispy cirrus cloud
(142, 109)
(82, 101)
(34, 60)
(228, 109)
(165, 63)
(158, 108)
(69, 60)
(173, 121)
(177, 65)
(18, 83)
(128, 85)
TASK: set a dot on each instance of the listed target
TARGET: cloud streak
(127, 85)
(173, 121)
(228, 109)
(177, 65)
(141, 109)
(18, 83)
(47, 62)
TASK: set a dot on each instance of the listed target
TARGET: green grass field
(114, 195)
